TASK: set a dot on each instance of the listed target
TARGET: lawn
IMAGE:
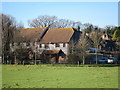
(42, 76)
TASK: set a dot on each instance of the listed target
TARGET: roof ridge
(63, 28)
(34, 28)
(50, 28)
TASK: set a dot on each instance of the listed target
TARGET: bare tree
(82, 46)
(8, 25)
(9, 34)
(96, 38)
(53, 22)
(62, 23)
(73, 57)
(87, 27)
(78, 49)
(43, 21)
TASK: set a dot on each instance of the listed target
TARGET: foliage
(118, 45)
(116, 35)
(9, 29)
(23, 54)
(110, 30)
(42, 76)
(53, 60)
(73, 58)
(88, 27)
(11, 34)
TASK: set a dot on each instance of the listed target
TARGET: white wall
(53, 47)
(50, 47)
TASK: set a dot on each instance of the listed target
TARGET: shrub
(53, 60)
(23, 54)
(73, 59)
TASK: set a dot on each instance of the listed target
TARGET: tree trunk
(96, 58)
(83, 59)
(96, 55)
(10, 62)
(23, 62)
(15, 59)
(78, 63)
(3, 58)
(35, 52)
(35, 57)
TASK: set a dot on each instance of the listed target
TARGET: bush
(73, 59)
(23, 54)
(53, 60)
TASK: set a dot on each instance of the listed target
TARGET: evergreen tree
(116, 35)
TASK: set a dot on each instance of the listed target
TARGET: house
(53, 42)
(106, 37)
(107, 45)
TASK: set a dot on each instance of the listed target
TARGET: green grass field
(42, 76)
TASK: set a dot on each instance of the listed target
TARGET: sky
(96, 13)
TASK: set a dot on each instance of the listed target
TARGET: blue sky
(97, 13)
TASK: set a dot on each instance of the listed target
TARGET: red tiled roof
(55, 35)
(58, 35)
(31, 34)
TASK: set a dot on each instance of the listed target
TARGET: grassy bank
(46, 76)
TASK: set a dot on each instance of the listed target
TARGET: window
(24, 44)
(31, 44)
(27, 44)
(46, 46)
(64, 44)
(57, 45)
(40, 46)
(18, 43)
